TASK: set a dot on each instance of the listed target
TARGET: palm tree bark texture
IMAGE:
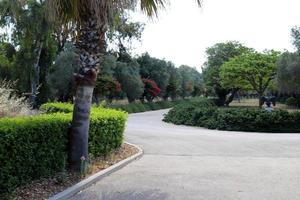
(90, 51)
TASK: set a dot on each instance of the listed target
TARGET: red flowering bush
(151, 90)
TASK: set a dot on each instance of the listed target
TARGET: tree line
(42, 58)
(233, 69)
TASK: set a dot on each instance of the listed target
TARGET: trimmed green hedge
(129, 108)
(33, 147)
(57, 107)
(234, 119)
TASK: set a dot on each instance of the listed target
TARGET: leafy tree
(7, 59)
(155, 69)
(217, 55)
(128, 75)
(173, 89)
(190, 78)
(288, 73)
(60, 77)
(295, 33)
(122, 32)
(36, 51)
(253, 69)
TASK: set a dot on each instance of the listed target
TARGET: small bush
(292, 101)
(33, 147)
(234, 119)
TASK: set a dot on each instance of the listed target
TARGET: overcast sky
(183, 31)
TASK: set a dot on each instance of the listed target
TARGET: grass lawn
(254, 103)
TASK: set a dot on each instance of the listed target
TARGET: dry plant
(11, 105)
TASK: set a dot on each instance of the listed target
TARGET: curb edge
(71, 191)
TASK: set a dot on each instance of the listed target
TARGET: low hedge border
(129, 108)
(36, 146)
(234, 119)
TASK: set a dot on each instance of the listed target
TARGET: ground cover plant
(203, 113)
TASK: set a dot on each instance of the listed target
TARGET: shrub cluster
(234, 119)
(33, 147)
(129, 108)
(143, 107)
(293, 102)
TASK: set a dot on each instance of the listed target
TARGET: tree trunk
(80, 126)
(260, 101)
(231, 97)
(35, 81)
(90, 46)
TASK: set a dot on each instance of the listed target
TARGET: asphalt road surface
(188, 163)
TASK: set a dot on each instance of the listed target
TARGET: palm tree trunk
(90, 47)
(80, 126)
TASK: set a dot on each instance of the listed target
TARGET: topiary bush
(234, 119)
(33, 147)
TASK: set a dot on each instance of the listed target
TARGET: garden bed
(47, 187)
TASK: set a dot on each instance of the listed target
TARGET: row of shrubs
(204, 113)
(143, 107)
(36, 146)
(129, 108)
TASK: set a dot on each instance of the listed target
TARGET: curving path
(184, 163)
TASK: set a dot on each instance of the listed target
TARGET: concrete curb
(71, 191)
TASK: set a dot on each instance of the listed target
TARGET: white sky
(183, 31)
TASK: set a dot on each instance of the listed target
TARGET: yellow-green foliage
(33, 147)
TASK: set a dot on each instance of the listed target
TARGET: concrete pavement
(194, 163)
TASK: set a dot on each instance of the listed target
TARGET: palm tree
(92, 18)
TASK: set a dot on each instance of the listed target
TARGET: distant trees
(217, 55)
(128, 75)
(288, 72)
(250, 70)
(60, 78)
(155, 69)
(41, 58)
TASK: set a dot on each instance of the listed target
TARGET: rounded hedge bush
(210, 116)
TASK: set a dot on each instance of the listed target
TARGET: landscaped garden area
(69, 78)
(205, 113)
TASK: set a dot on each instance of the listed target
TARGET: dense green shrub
(57, 107)
(33, 147)
(234, 119)
(292, 101)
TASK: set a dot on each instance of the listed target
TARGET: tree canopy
(251, 69)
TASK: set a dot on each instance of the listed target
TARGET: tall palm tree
(92, 18)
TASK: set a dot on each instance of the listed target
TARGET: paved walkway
(188, 163)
